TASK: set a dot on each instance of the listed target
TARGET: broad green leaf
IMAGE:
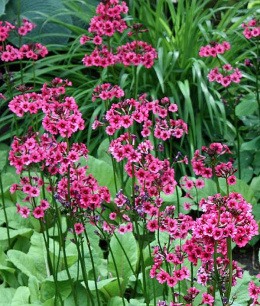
(48, 289)
(247, 106)
(103, 173)
(117, 301)
(256, 163)
(25, 232)
(130, 247)
(33, 285)
(251, 145)
(25, 263)
(3, 159)
(6, 296)
(38, 252)
(109, 287)
(255, 186)
(81, 296)
(15, 220)
(21, 296)
(134, 302)
(102, 152)
(2, 6)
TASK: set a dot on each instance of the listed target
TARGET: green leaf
(103, 173)
(33, 285)
(130, 250)
(117, 301)
(102, 152)
(21, 296)
(25, 232)
(48, 289)
(247, 106)
(251, 145)
(109, 287)
(6, 296)
(255, 186)
(3, 159)
(23, 262)
(2, 6)
(134, 302)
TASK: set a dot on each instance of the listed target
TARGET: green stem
(117, 274)
(230, 267)
(92, 263)
(4, 208)
(19, 36)
(153, 280)
(47, 247)
(62, 243)
(257, 79)
(34, 75)
(238, 147)
(178, 201)
(83, 266)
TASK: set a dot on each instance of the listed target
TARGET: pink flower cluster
(125, 113)
(139, 53)
(228, 75)
(151, 173)
(106, 23)
(214, 49)
(174, 259)
(108, 19)
(56, 158)
(30, 187)
(26, 27)
(202, 165)
(136, 53)
(251, 29)
(107, 92)
(6, 27)
(61, 114)
(32, 51)
(235, 219)
(254, 292)
(85, 193)
(100, 57)
(10, 53)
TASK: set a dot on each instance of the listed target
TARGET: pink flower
(207, 299)
(112, 216)
(24, 211)
(231, 180)
(79, 228)
(38, 212)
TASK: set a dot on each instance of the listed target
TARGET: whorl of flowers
(61, 113)
(107, 92)
(214, 49)
(108, 19)
(251, 29)
(136, 53)
(227, 75)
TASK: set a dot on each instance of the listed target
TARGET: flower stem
(4, 208)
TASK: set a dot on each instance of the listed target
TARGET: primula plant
(139, 220)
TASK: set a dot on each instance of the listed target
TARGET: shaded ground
(248, 258)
